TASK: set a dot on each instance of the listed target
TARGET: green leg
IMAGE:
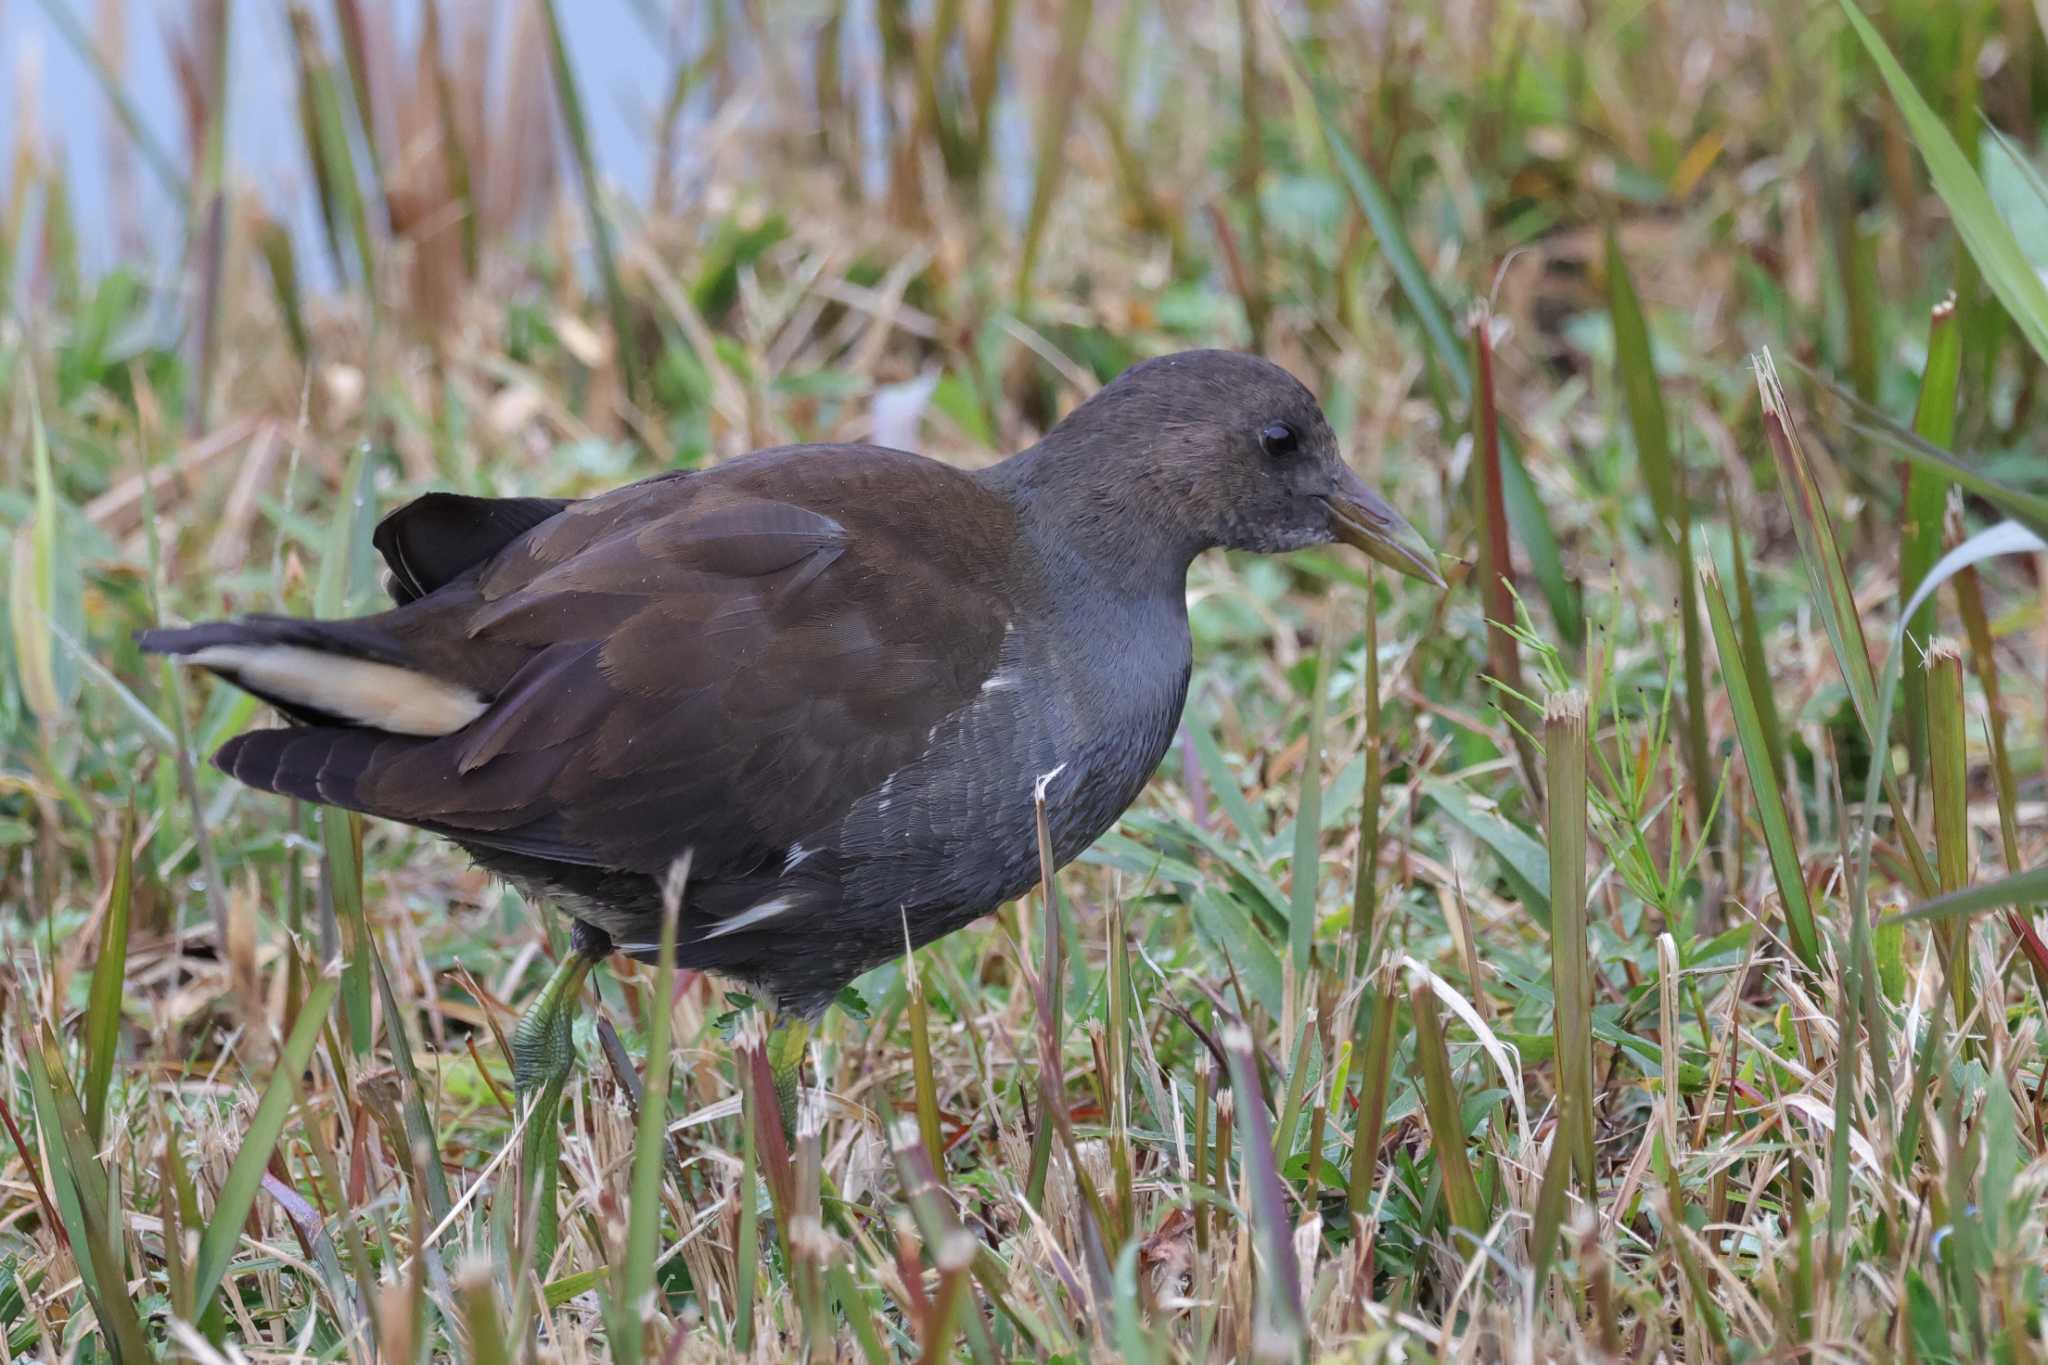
(787, 1039)
(543, 1054)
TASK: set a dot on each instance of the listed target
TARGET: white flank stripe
(381, 696)
(747, 918)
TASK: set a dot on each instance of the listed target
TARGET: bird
(835, 678)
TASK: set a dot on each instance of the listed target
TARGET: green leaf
(2002, 1160)
(1223, 920)
(1223, 784)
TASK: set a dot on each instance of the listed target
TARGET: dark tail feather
(322, 764)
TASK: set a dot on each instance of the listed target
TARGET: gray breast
(954, 833)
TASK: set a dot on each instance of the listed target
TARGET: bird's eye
(1279, 439)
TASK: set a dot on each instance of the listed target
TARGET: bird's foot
(787, 1039)
(543, 1055)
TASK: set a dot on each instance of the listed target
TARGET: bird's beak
(1361, 517)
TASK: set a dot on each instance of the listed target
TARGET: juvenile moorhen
(832, 675)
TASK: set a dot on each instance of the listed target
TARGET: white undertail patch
(360, 691)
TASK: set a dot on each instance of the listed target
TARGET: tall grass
(1658, 1012)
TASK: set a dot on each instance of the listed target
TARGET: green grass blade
(140, 130)
(1062, 94)
(1446, 1117)
(1280, 1283)
(1934, 421)
(1525, 510)
(1984, 231)
(1308, 823)
(633, 1291)
(1365, 884)
(1949, 781)
(570, 100)
(83, 1197)
(1833, 597)
(1644, 397)
(2021, 888)
(1754, 659)
(44, 588)
(245, 1175)
(103, 1003)
(1763, 779)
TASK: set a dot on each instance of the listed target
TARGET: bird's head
(1226, 449)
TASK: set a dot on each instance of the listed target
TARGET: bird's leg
(787, 1039)
(542, 1049)
(543, 1054)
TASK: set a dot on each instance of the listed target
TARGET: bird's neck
(1107, 533)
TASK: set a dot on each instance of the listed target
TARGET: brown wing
(722, 663)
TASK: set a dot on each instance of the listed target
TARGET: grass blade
(1060, 98)
(140, 130)
(1763, 778)
(1984, 231)
(1280, 1286)
(83, 1197)
(1375, 1073)
(1446, 1118)
(1365, 886)
(245, 1175)
(103, 1004)
(1949, 780)
(1644, 396)
(1832, 594)
(570, 100)
(1571, 960)
(1926, 496)
(1751, 635)
(1308, 823)
(633, 1304)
